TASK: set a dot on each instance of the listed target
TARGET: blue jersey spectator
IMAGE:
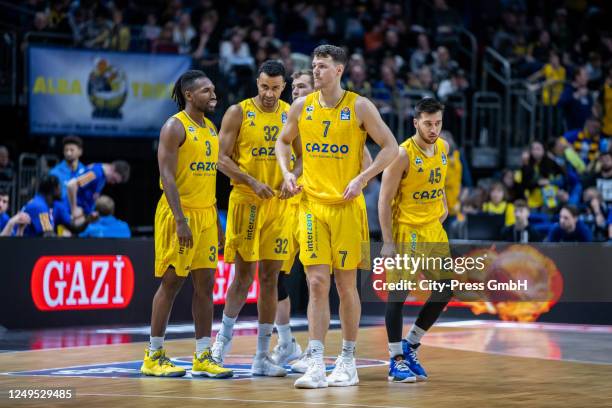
(4, 203)
(569, 228)
(70, 166)
(576, 100)
(107, 226)
(39, 208)
(86, 187)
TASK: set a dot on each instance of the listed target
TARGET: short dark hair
(572, 209)
(4, 192)
(48, 185)
(302, 72)
(427, 105)
(183, 83)
(75, 140)
(272, 68)
(123, 168)
(337, 54)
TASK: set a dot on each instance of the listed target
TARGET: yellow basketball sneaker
(157, 364)
(204, 365)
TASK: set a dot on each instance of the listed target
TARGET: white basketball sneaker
(284, 353)
(344, 373)
(264, 365)
(301, 364)
(220, 348)
(314, 376)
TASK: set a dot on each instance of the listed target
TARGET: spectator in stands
(595, 214)
(539, 52)
(443, 65)
(602, 179)
(151, 30)
(569, 228)
(386, 89)
(7, 172)
(457, 83)
(540, 178)
(202, 44)
(107, 226)
(86, 187)
(521, 231)
(576, 100)
(165, 43)
(4, 206)
(421, 56)
(554, 76)
(588, 142)
(498, 204)
(603, 107)
(513, 189)
(71, 165)
(454, 173)
(183, 34)
(235, 52)
(96, 32)
(39, 209)
(423, 81)
(357, 81)
(120, 35)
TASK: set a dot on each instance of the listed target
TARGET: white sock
(284, 333)
(395, 349)
(316, 349)
(264, 336)
(202, 344)
(348, 349)
(227, 326)
(156, 343)
(415, 334)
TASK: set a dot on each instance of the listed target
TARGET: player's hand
(77, 213)
(354, 188)
(261, 189)
(388, 250)
(184, 234)
(220, 237)
(289, 188)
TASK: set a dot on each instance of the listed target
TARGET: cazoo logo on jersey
(82, 282)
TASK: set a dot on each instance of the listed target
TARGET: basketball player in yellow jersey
(332, 124)
(257, 229)
(411, 208)
(287, 348)
(186, 224)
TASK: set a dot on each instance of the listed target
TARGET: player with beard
(412, 207)
(187, 232)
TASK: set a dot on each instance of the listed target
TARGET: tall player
(287, 348)
(258, 219)
(332, 124)
(187, 232)
(412, 207)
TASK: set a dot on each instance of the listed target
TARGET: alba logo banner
(82, 282)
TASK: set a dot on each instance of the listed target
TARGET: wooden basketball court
(457, 378)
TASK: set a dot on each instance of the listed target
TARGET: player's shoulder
(284, 106)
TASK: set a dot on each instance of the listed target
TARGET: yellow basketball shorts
(257, 229)
(429, 243)
(293, 219)
(168, 252)
(335, 235)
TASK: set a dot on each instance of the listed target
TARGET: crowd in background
(563, 187)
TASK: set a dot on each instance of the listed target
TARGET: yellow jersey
(552, 93)
(332, 147)
(419, 198)
(453, 182)
(196, 168)
(606, 97)
(254, 149)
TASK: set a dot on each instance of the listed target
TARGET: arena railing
(486, 130)
(498, 68)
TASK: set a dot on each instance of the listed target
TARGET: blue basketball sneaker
(410, 355)
(399, 371)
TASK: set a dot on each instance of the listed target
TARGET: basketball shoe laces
(413, 355)
(164, 361)
(402, 366)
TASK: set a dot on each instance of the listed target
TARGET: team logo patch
(284, 117)
(250, 114)
(420, 170)
(241, 365)
(310, 108)
(308, 117)
(443, 159)
(345, 113)
(418, 161)
(252, 123)
(191, 129)
(195, 138)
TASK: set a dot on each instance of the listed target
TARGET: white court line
(238, 400)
